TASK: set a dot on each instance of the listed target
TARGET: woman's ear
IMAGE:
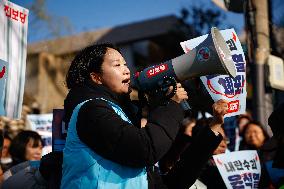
(95, 78)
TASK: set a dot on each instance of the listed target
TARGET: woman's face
(32, 152)
(115, 73)
(223, 144)
(6, 145)
(254, 135)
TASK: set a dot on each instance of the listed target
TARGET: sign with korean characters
(13, 50)
(223, 86)
(42, 124)
(240, 169)
(3, 82)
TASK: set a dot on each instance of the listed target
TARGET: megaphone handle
(185, 106)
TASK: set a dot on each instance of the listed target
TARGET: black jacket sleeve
(194, 158)
(101, 129)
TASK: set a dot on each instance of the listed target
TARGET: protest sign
(59, 130)
(3, 82)
(42, 123)
(13, 50)
(223, 86)
(240, 169)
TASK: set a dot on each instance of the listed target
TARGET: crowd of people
(110, 144)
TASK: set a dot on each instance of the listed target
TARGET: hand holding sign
(220, 108)
(232, 89)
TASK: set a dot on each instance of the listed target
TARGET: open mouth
(126, 81)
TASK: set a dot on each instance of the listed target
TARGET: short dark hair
(259, 125)
(7, 136)
(18, 145)
(88, 60)
(243, 117)
(186, 122)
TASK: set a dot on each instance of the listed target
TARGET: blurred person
(273, 151)
(6, 159)
(210, 175)
(190, 153)
(230, 126)
(254, 136)
(187, 125)
(275, 121)
(26, 152)
(106, 146)
(182, 141)
(242, 121)
(43, 174)
(27, 145)
(223, 146)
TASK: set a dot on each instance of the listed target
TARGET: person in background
(187, 125)
(275, 164)
(254, 136)
(242, 121)
(6, 159)
(182, 141)
(210, 175)
(230, 125)
(195, 151)
(43, 174)
(26, 152)
(27, 145)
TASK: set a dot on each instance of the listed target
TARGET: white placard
(223, 86)
(3, 83)
(13, 50)
(239, 169)
(42, 123)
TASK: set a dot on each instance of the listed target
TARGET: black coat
(103, 131)
(193, 159)
(211, 176)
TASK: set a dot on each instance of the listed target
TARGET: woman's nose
(38, 150)
(126, 70)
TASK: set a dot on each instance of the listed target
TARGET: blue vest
(83, 168)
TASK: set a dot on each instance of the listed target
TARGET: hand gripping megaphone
(211, 57)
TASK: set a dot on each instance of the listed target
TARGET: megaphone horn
(210, 57)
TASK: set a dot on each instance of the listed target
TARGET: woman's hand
(220, 108)
(180, 94)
